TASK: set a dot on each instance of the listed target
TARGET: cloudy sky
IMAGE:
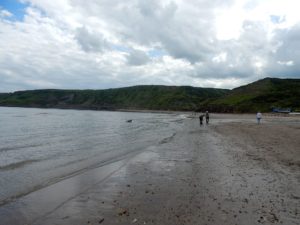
(99, 44)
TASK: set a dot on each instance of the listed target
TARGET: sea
(39, 147)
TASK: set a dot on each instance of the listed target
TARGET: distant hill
(261, 95)
(151, 97)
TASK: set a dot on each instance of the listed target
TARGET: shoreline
(104, 110)
(267, 114)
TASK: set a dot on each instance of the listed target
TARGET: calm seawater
(41, 146)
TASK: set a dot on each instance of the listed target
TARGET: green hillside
(261, 95)
(152, 97)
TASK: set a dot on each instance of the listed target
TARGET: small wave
(168, 139)
(19, 147)
(43, 113)
(16, 165)
(65, 164)
(183, 116)
(178, 121)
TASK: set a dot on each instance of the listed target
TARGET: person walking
(201, 119)
(207, 117)
(258, 117)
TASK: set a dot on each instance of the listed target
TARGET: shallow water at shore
(41, 146)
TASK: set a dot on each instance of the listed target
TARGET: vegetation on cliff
(151, 97)
(261, 95)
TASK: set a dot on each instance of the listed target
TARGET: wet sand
(232, 171)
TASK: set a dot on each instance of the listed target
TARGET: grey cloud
(155, 22)
(137, 58)
(285, 62)
(254, 36)
(90, 41)
(290, 43)
(172, 30)
(148, 8)
(183, 30)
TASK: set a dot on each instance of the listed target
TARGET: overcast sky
(99, 44)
